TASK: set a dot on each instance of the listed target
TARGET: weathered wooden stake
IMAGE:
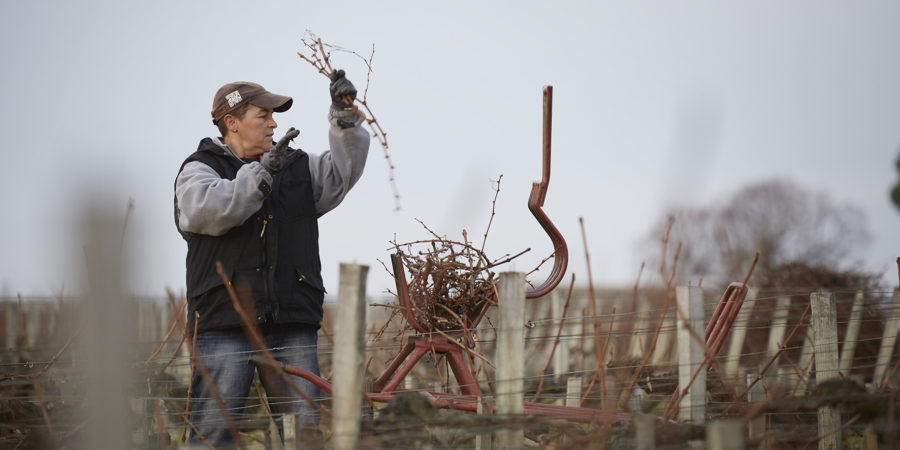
(618, 342)
(806, 354)
(479, 437)
(778, 327)
(108, 333)
(739, 334)
(852, 334)
(147, 323)
(640, 331)
(32, 324)
(782, 380)
(349, 355)
(888, 341)
(561, 355)
(690, 354)
(583, 332)
(756, 429)
(289, 424)
(573, 391)
(663, 353)
(644, 431)
(725, 435)
(510, 357)
(824, 324)
(11, 314)
(165, 321)
(870, 439)
(573, 397)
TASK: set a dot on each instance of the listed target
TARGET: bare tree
(895, 192)
(784, 222)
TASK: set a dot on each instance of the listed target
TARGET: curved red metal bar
(403, 293)
(724, 316)
(468, 402)
(536, 202)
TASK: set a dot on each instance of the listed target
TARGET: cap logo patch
(233, 98)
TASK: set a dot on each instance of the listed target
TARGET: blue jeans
(226, 354)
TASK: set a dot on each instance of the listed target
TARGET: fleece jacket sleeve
(209, 204)
(335, 171)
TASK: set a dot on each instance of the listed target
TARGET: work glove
(280, 156)
(341, 89)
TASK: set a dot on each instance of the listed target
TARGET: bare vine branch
(320, 59)
(493, 212)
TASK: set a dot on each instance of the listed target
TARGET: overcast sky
(655, 104)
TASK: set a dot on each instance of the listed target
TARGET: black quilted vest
(272, 259)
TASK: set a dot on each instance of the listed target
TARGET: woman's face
(252, 135)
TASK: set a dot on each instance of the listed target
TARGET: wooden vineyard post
(644, 431)
(483, 408)
(349, 355)
(663, 353)
(583, 333)
(806, 354)
(825, 344)
(28, 332)
(777, 331)
(108, 335)
(165, 319)
(573, 391)
(561, 355)
(690, 354)
(619, 340)
(888, 341)
(289, 425)
(738, 335)
(725, 435)
(852, 334)
(10, 325)
(510, 358)
(779, 326)
(756, 428)
(573, 397)
(640, 331)
(479, 410)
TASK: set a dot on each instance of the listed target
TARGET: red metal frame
(403, 293)
(469, 401)
(387, 385)
(419, 346)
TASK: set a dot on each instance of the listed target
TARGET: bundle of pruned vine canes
(450, 281)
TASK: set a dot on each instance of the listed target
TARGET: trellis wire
(18, 364)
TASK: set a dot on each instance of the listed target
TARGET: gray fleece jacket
(209, 204)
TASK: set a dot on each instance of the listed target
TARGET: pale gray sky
(655, 104)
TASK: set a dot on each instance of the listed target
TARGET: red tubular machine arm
(536, 201)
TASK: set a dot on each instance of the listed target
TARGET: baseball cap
(232, 95)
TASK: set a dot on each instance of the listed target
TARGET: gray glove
(280, 156)
(341, 89)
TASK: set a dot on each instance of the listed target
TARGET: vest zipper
(271, 254)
